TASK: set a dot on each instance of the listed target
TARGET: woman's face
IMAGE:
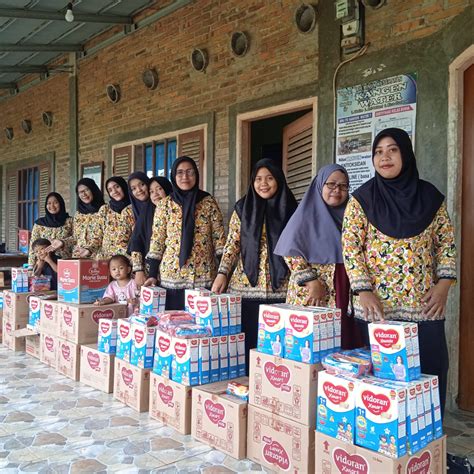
(265, 184)
(139, 189)
(52, 205)
(85, 194)
(157, 193)
(336, 189)
(185, 176)
(388, 158)
(115, 191)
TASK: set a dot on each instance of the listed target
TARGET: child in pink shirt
(123, 289)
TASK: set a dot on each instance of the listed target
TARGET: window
(28, 195)
(159, 157)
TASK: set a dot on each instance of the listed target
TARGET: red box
(24, 237)
(82, 281)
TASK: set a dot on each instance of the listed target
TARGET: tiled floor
(50, 424)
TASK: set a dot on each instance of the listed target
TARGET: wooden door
(298, 154)
(466, 329)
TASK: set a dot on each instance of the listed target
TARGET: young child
(123, 289)
(46, 262)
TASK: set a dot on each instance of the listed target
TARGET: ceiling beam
(8, 85)
(42, 47)
(54, 15)
(24, 69)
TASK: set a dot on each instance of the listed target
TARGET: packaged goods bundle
(356, 362)
(222, 314)
(152, 300)
(19, 280)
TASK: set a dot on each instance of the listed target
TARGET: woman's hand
(434, 301)
(373, 309)
(140, 278)
(56, 244)
(151, 282)
(220, 284)
(316, 293)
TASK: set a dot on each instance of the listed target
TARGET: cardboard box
(285, 387)
(19, 280)
(32, 345)
(107, 336)
(8, 335)
(97, 368)
(49, 350)
(143, 345)
(124, 339)
(279, 443)
(49, 322)
(152, 300)
(15, 307)
(170, 403)
(79, 323)
(220, 420)
(34, 312)
(24, 237)
(82, 281)
(69, 358)
(336, 456)
(132, 385)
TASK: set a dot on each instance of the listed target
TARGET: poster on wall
(362, 112)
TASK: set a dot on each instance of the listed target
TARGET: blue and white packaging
(19, 280)
(238, 313)
(435, 405)
(163, 354)
(214, 359)
(416, 350)
(143, 345)
(107, 336)
(124, 339)
(204, 361)
(207, 313)
(152, 300)
(423, 429)
(185, 364)
(233, 357)
(34, 312)
(224, 357)
(242, 367)
(381, 417)
(223, 305)
(232, 312)
(271, 330)
(1, 300)
(337, 329)
(426, 388)
(336, 406)
(189, 297)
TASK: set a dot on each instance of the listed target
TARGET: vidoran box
(97, 368)
(271, 330)
(49, 350)
(68, 359)
(152, 300)
(132, 385)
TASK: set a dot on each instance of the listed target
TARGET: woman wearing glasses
(311, 244)
(188, 236)
(399, 252)
(260, 276)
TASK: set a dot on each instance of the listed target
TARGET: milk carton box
(190, 295)
(381, 417)
(421, 415)
(204, 361)
(330, 325)
(34, 303)
(107, 336)
(242, 367)
(24, 237)
(143, 345)
(224, 357)
(185, 364)
(271, 330)
(238, 313)
(223, 305)
(426, 388)
(207, 313)
(337, 329)
(388, 345)
(19, 280)
(163, 354)
(416, 350)
(124, 339)
(152, 300)
(232, 312)
(324, 335)
(336, 406)
(233, 357)
(214, 359)
(435, 404)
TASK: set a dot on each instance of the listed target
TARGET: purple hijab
(314, 230)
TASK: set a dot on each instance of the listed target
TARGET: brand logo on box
(127, 376)
(66, 350)
(215, 411)
(386, 337)
(49, 343)
(274, 453)
(298, 322)
(191, 301)
(93, 359)
(166, 393)
(67, 316)
(139, 335)
(8, 328)
(124, 331)
(180, 349)
(277, 375)
(420, 465)
(375, 403)
(8, 299)
(34, 303)
(104, 327)
(349, 463)
(94, 271)
(146, 294)
(67, 277)
(336, 393)
(102, 314)
(271, 318)
(202, 306)
(48, 311)
(164, 343)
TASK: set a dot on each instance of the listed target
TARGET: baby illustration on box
(276, 345)
(305, 352)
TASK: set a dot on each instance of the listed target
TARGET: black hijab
(143, 230)
(54, 220)
(275, 212)
(118, 206)
(97, 197)
(138, 206)
(404, 206)
(187, 200)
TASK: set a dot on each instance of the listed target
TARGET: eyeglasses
(342, 186)
(190, 172)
